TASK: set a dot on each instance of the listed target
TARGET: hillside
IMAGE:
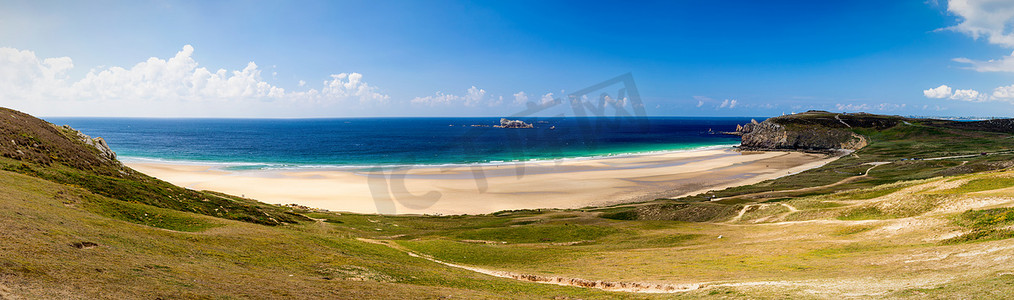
(61, 154)
(874, 224)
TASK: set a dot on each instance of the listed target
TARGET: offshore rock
(505, 123)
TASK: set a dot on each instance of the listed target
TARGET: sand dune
(488, 188)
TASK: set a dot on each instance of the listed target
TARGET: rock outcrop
(98, 143)
(505, 123)
(810, 131)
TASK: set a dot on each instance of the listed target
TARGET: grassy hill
(76, 225)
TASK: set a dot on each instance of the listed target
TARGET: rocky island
(505, 123)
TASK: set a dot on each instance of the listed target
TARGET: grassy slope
(45, 224)
(902, 232)
(35, 147)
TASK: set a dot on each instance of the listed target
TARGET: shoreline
(479, 189)
(296, 166)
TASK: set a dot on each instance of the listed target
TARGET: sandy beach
(572, 183)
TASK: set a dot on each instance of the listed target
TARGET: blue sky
(487, 58)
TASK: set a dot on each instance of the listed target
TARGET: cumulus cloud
(25, 76)
(547, 99)
(1004, 92)
(177, 78)
(178, 83)
(728, 103)
(968, 95)
(940, 92)
(989, 19)
(472, 97)
(520, 98)
(615, 102)
(351, 86)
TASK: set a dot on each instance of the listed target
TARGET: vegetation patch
(538, 233)
(757, 212)
(870, 193)
(981, 235)
(851, 229)
(987, 225)
(982, 184)
(864, 213)
(146, 215)
(620, 215)
(483, 254)
(987, 218)
(852, 249)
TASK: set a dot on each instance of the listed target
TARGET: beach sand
(572, 183)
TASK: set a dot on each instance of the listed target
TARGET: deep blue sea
(368, 142)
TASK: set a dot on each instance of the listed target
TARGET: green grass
(147, 215)
(486, 255)
(864, 213)
(851, 229)
(982, 184)
(539, 233)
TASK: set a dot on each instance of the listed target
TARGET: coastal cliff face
(812, 131)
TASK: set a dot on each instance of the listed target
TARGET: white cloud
(868, 107)
(990, 19)
(940, 92)
(701, 100)
(25, 76)
(473, 96)
(968, 95)
(174, 86)
(547, 99)
(177, 78)
(520, 98)
(302, 83)
(1004, 92)
(351, 86)
(1005, 64)
(728, 103)
(615, 102)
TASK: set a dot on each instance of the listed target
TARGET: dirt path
(812, 188)
(741, 212)
(613, 286)
(840, 120)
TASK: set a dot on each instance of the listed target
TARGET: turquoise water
(371, 142)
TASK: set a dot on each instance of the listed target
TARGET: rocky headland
(812, 131)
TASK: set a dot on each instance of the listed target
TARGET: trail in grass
(613, 286)
(812, 188)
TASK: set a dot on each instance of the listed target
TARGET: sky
(296, 59)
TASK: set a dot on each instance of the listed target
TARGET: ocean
(381, 142)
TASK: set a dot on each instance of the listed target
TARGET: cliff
(812, 131)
